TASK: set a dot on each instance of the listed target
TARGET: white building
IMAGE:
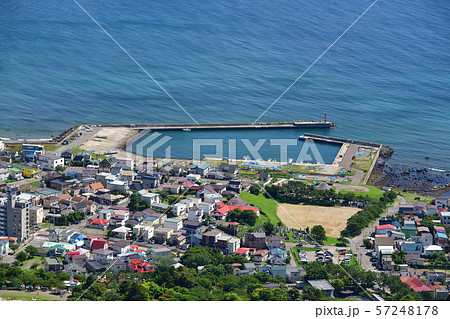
(212, 198)
(49, 161)
(105, 214)
(173, 223)
(150, 198)
(127, 163)
(161, 252)
(4, 174)
(144, 233)
(430, 250)
(195, 214)
(445, 218)
(179, 209)
(206, 208)
(193, 178)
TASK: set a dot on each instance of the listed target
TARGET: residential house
(172, 189)
(416, 285)
(323, 285)
(144, 233)
(93, 266)
(121, 232)
(192, 178)
(245, 252)
(173, 223)
(255, 240)
(4, 247)
(150, 182)
(235, 186)
(275, 242)
(412, 248)
(179, 209)
(383, 246)
(141, 266)
(278, 271)
(206, 208)
(409, 228)
(99, 243)
(384, 229)
(121, 246)
(433, 276)
(200, 169)
(387, 263)
(441, 202)
(27, 171)
(230, 170)
(413, 259)
(36, 215)
(293, 273)
(250, 267)
(116, 185)
(102, 255)
(126, 163)
(445, 218)
(161, 252)
(192, 227)
(195, 214)
(50, 161)
(150, 198)
(440, 235)
(228, 244)
(261, 255)
(210, 238)
(99, 223)
(67, 155)
(4, 174)
(433, 249)
(106, 164)
(117, 265)
(162, 234)
(52, 264)
(128, 176)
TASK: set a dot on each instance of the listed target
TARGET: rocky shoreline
(388, 172)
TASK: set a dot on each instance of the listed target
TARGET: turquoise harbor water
(385, 81)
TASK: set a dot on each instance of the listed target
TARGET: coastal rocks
(386, 151)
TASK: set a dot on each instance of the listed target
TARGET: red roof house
(416, 284)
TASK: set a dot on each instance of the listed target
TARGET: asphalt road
(82, 139)
(356, 244)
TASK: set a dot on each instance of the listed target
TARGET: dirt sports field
(333, 219)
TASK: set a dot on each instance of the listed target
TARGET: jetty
(227, 126)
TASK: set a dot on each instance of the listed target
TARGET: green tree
(319, 234)
(312, 294)
(31, 251)
(268, 228)
(254, 190)
(21, 257)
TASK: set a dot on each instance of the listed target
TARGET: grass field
(266, 205)
(26, 296)
(51, 147)
(331, 241)
(412, 197)
(333, 219)
(374, 193)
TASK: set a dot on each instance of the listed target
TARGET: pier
(227, 126)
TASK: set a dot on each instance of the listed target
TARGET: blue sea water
(385, 81)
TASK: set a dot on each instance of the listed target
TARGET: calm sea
(385, 81)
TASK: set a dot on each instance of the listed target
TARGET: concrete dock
(227, 126)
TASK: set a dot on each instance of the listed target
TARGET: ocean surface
(386, 80)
